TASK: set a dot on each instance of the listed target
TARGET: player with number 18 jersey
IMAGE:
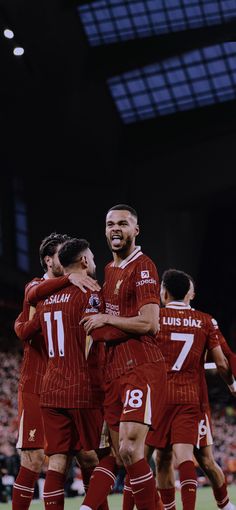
(135, 368)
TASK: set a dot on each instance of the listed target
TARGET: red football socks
(53, 494)
(188, 484)
(101, 483)
(168, 498)
(221, 496)
(143, 485)
(86, 475)
(23, 489)
(128, 498)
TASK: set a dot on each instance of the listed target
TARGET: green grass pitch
(205, 501)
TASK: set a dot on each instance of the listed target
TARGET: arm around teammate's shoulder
(224, 368)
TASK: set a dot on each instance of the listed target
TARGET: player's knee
(164, 461)
(127, 451)
(33, 460)
(58, 462)
(87, 459)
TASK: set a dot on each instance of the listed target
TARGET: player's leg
(183, 454)
(88, 461)
(132, 441)
(61, 437)
(128, 498)
(207, 463)
(53, 494)
(104, 476)
(141, 407)
(30, 442)
(92, 433)
(166, 477)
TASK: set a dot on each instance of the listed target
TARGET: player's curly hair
(49, 246)
(71, 250)
(176, 282)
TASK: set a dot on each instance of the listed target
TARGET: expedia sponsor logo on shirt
(144, 274)
(147, 281)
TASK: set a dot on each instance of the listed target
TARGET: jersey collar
(134, 255)
(178, 305)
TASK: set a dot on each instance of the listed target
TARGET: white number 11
(60, 333)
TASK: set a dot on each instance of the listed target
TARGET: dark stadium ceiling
(113, 80)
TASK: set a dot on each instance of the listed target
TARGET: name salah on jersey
(57, 298)
(182, 321)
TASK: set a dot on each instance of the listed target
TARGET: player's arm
(109, 334)
(25, 329)
(230, 355)
(145, 323)
(38, 292)
(223, 367)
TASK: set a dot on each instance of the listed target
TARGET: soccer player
(135, 374)
(31, 435)
(184, 336)
(71, 389)
(203, 452)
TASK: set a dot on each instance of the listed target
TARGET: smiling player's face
(121, 230)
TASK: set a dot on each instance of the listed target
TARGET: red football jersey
(35, 355)
(184, 336)
(126, 289)
(73, 376)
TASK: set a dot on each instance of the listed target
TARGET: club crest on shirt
(117, 287)
(32, 435)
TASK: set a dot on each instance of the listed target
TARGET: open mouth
(116, 239)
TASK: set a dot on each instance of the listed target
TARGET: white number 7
(187, 338)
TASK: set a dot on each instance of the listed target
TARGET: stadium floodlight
(188, 81)
(18, 51)
(9, 34)
(112, 21)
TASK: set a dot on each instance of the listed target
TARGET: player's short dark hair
(71, 250)
(48, 246)
(124, 207)
(176, 282)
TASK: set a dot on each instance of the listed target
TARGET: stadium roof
(103, 83)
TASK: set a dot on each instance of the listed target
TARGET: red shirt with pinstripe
(126, 289)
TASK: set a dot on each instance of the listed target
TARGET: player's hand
(94, 321)
(232, 388)
(84, 282)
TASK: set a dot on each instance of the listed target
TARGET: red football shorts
(31, 430)
(136, 395)
(176, 424)
(68, 430)
(205, 437)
